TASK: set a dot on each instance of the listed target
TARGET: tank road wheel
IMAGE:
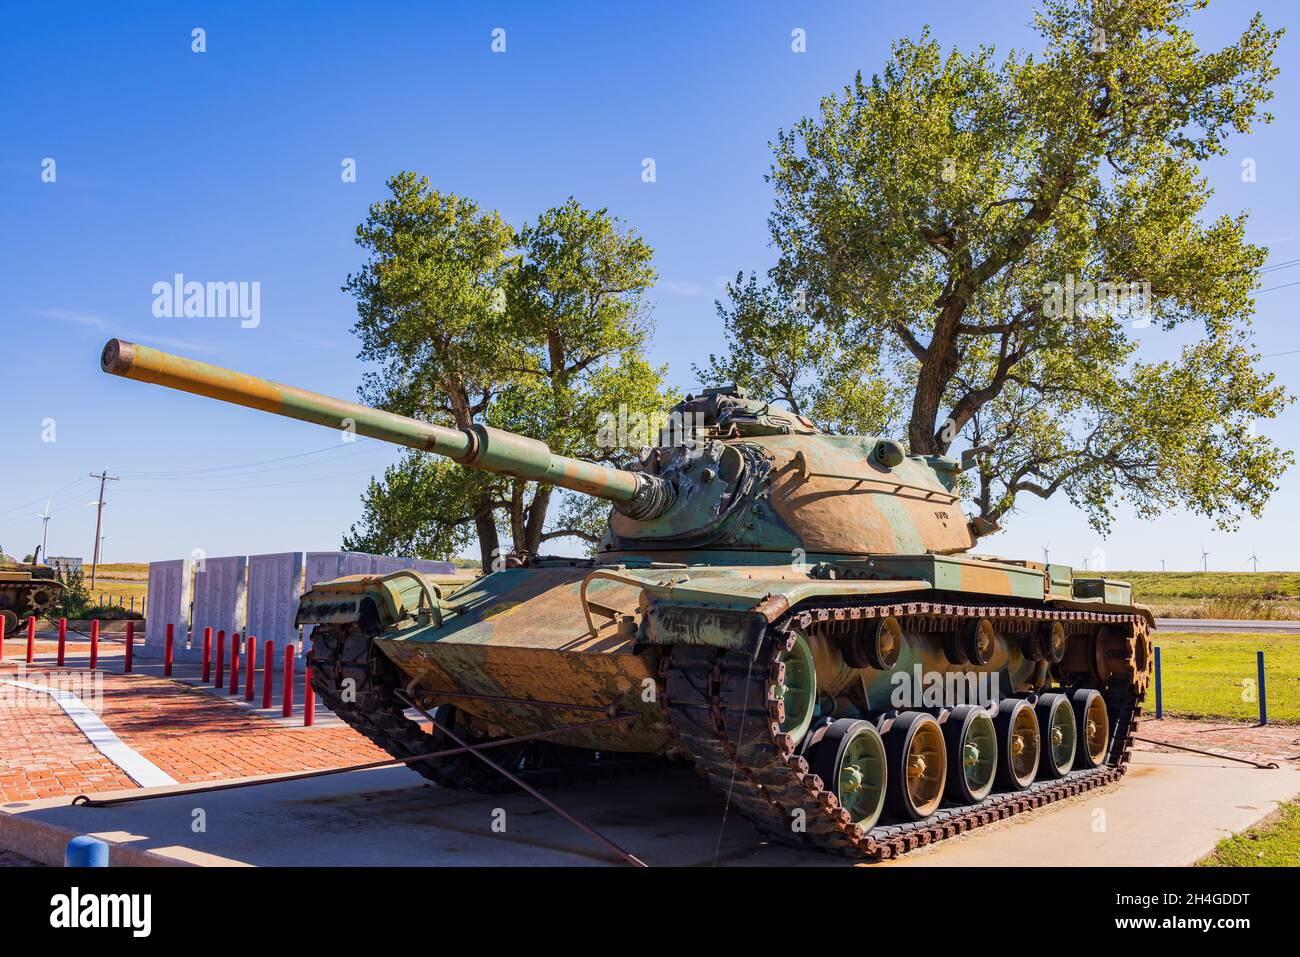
(1094, 726)
(1046, 642)
(8, 622)
(917, 768)
(1018, 744)
(795, 691)
(972, 744)
(875, 647)
(978, 641)
(1059, 734)
(850, 760)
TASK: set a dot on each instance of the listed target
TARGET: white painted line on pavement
(137, 767)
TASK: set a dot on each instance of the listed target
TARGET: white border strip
(137, 767)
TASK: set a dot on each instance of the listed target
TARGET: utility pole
(99, 520)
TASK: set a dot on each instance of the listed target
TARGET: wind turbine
(1205, 565)
(45, 528)
(1046, 556)
(1254, 559)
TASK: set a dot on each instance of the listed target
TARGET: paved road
(1170, 809)
(1232, 627)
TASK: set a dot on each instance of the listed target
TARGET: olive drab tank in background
(26, 590)
(798, 614)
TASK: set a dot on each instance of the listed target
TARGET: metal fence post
(1263, 689)
(1160, 698)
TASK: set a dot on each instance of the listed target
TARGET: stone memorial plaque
(274, 587)
(358, 563)
(430, 567)
(321, 567)
(383, 564)
(169, 603)
(219, 588)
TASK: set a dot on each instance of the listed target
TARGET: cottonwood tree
(782, 349)
(537, 330)
(960, 212)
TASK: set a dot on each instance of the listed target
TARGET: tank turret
(730, 472)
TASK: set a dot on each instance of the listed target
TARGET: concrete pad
(1170, 810)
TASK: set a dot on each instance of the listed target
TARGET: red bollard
(234, 663)
(31, 639)
(221, 658)
(63, 639)
(308, 701)
(207, 653)
(286, 708)
(251, 668)
(130, 647)
(268, 669)
(94, 644)
(167, 650)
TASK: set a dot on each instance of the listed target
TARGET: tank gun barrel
(636, 494)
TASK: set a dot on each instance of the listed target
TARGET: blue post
(1263, 689)
(1160, 698)
(85, 852)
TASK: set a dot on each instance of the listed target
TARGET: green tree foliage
(73, 599)
(538, 330)
(966, 226)
(784, 350)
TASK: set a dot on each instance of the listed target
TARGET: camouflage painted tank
(796, 613)
(26, 590)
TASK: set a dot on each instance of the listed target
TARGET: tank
(799, 615)
(26, 590)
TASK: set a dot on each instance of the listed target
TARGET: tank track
(723, 713)
(340, 652)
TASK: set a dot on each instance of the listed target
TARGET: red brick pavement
(1274, 742)
(190, 734)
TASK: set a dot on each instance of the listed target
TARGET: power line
(238, 488)
(37, 500)
(1284, 285)
(220, 468)
(164, 476)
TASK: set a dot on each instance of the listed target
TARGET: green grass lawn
(1213, 676)
(1274, 842)
(1267, 595)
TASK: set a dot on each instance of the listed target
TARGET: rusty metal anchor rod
(524, 786)
(85, 800)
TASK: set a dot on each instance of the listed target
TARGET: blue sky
(225, 165)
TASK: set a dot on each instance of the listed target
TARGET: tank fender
(731, 611)
(374, 600)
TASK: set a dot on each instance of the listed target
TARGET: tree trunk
(488, 543)
(932, 378)
(536, 522)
